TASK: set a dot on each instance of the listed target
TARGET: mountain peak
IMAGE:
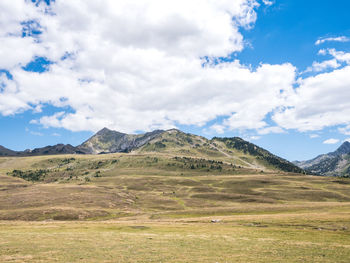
(107, 132)
(343, 149)
(173, 130)
(104, 130)
(332, 164)
(110, 141)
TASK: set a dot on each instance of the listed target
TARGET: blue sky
(42, 112)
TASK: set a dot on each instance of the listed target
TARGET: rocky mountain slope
(335, 163)
(108, 141)
(232, 151)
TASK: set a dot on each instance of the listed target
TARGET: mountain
(233, 151)
(343, 149)
(53, 150)
(6, 152)
(48, 150)
(335, 163)
(262, 155)
(108, 141)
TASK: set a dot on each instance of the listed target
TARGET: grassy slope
(159, 209)
(158, 185)
(231, 150)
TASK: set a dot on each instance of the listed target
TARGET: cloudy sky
(276, 73)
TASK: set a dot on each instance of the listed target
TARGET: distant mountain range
(335, 163)
(173, 142)
(48, 150)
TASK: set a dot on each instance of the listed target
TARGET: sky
(276, 73)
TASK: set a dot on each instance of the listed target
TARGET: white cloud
(268, 2)
(148, 64)
(321, 66)
(220, 129)
(332, 39)
(345, 130)
(322, 52)
(340, 55)
(338, 58)
(331, 141)
(313, 136)
(138, 65)
(319, 101)
(253, 138)
(269, 130)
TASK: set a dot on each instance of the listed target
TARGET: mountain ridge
(336, 163)
(235, 151)
(109, 141)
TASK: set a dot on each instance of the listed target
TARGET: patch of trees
(262, 154)
(283, 165)
(30, 175)
(68, 160)
(99, 164)
(159, 145)
(194, 163)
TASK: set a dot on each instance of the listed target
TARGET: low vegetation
(30, 175)
(261, 154)
(163, 207)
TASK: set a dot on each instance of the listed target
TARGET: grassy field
(159, 207)
(281, 237)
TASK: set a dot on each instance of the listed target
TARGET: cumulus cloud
(332, 39)
(141, 65)
(319, 101)
(339, 57)
(331, 141)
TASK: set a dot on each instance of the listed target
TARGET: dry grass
(143, 208)
(286, 237)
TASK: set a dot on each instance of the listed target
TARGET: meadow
(159, 207)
